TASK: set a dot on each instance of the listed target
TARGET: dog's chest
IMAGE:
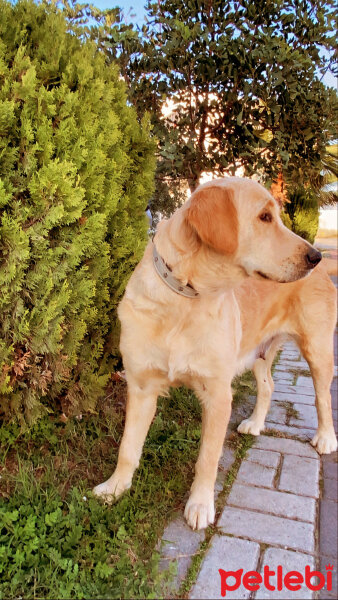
(200, 343)
(182, 339)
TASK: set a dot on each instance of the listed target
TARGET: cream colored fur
(223, 241)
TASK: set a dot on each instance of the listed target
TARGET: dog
(196, 312)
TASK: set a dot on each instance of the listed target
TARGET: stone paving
(282, 508)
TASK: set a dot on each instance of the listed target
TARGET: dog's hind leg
(318, 351)
(141, 408)
(216, 408)
(262, 371)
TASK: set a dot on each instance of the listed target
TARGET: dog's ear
(213, 215)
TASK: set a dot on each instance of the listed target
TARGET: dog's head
(238, 219)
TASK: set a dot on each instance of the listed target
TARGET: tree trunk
(193, 183)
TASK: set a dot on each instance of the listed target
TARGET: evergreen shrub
(76, 173)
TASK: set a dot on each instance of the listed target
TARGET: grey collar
(164, 271)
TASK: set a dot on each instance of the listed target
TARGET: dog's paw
(111, 489)
(325, 442)
(250, 426)
(199, 514)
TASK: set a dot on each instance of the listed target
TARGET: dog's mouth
(267, 278)
(263, 275)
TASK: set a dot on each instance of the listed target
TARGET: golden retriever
(191, 322)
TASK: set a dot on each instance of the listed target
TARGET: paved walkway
(281, 511)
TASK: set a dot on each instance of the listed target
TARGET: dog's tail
(330, 265)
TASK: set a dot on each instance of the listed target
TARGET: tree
(76, 173)
(244, 77)
(301, 212)
(325, 184)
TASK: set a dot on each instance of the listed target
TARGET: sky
(126, 5)
(137, 14)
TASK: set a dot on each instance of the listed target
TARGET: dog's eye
(266, 217)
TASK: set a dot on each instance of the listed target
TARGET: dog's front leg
(141, 408)
(216, 408)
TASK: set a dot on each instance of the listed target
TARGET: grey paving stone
(305, 391)
(332, 594)
(276, 414)
(179, 544)
(286, 365)
(281, 377)
(285, 446)
(219, 485)
(330, 465)
(330, 491)
(328, 533)
(300, 475)
(229, 554)
(303, 433)
(227, 458)
(307, 416)
(290, 346)
(268, 529)
(250, 472)
(305, 382)
(294, 390)
(290, 561)
(289, 355)
(225, 463)
(284, 395)
(272, 501)
(294, 364)
(263, 457)
(281, 368)
(285, 388)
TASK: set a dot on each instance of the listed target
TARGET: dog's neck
(165, 273)
(193, 262)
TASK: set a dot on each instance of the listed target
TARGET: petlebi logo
(275, 580)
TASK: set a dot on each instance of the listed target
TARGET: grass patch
(299, 373)
(294, 378)
(56, 539)
(242, 386)
(290, 410)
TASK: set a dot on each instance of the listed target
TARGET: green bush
(76, 173)
(301, 214)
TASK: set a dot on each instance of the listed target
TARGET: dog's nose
(313, 257)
